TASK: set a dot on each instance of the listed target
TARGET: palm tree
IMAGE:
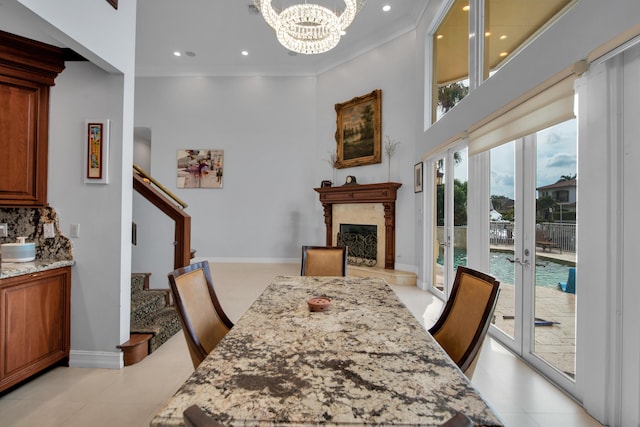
(449, 95)
(568, 177)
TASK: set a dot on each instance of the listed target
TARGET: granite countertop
(12, 269)
(366, 360)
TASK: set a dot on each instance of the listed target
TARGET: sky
(557, 156)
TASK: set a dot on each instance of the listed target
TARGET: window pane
(451, 59)
(511, 23)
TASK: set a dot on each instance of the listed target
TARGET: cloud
(562, 160)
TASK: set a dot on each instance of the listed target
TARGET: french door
(532, 227)
(449, 194)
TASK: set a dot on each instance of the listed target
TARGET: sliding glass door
(449, 195)
(532, 231)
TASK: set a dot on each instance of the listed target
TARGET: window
(507, 25)
(451, 59)
(510, 24)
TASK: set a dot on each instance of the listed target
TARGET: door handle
(524, 263)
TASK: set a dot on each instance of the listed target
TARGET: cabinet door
(23, 142)
(34, 324)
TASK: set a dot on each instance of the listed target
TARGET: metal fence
(561, 235)
(501, 233)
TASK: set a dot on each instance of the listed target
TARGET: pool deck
(555, 342)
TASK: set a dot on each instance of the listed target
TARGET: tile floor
(70, 397)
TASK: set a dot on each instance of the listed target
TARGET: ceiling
(217, 31)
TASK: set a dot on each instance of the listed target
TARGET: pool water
(548, 272)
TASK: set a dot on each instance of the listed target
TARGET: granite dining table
(364, 360)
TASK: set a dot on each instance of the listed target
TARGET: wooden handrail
(160, 186)
(182, 251)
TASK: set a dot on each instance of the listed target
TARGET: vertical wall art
(200, 168)
(96, 152)
(417, 178)
(358, 123)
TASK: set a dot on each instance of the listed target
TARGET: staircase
(153, 319)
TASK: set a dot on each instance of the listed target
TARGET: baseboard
(232, 260)
(96, 359)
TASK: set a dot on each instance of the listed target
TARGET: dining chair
(458, 420)
(203, 320)
(194, 416)
(464, 321)
(324, 261)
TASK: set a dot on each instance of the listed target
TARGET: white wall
(267, 129)
(84, 91)
(100, 297)
(391, 68)
(277, 134)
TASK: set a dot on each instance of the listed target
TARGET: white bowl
(18, 252)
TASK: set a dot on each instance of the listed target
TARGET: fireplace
(362, 241)
(373, 204)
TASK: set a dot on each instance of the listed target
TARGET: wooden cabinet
(34, 323)
(27, 70)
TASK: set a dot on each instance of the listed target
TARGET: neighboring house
(561, 191)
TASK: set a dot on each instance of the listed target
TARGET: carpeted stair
(153, 319)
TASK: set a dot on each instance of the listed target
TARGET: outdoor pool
(548, 271)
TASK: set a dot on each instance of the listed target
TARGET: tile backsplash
(29, 223)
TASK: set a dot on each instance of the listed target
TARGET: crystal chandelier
(309, 28)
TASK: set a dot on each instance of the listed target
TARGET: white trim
(240, 260)
(96, 359)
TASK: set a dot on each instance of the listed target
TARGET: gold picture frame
(358, 133)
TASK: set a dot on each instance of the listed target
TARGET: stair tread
(136, 339)
(154, 321)
(150, 313)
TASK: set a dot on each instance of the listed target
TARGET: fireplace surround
(381, 195)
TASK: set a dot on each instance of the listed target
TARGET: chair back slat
(204, 323)
(465, 319)
(324, 261)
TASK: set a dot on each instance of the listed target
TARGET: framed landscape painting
(358, 134)
(200, 168)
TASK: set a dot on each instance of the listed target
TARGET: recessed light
(245, 53)
(466, 8)
(487, 34)
(176, 53)
(386, 8)
(503, 54)
(502, 37)
(343, 33)
(439, 36)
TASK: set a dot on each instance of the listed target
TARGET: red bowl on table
(319, 303)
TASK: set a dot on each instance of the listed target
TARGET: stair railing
(173, 207)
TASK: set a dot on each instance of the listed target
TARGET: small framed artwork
(96, 152)
(417, 178)
(358, 133)
(200, 168)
